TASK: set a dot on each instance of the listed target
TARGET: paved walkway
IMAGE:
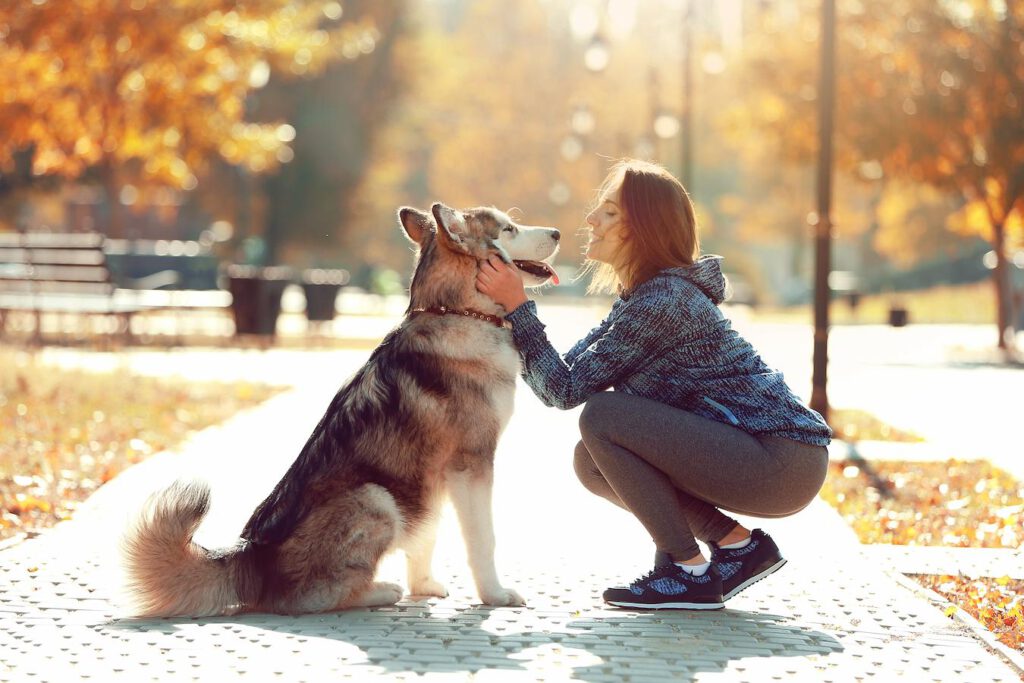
(833, 614)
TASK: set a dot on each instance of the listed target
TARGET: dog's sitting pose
(419, 421)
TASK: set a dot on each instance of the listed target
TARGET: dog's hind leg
(470, 493)
(330, 561)
(419, 554)
(379, 594)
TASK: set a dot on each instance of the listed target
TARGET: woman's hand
(501, 282)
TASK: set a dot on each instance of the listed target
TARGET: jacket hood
(706, 274)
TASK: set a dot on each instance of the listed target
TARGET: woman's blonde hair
(659, 217)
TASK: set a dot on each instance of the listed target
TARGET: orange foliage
(63, 434)
(926, 92)
(163, 83)
(996, 603)
(952, 503)
(501, 110)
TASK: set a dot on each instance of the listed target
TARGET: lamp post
(686, 120)
(823, 220)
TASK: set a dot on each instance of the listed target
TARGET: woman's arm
(642, 330)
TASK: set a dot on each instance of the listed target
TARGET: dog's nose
(555, 235)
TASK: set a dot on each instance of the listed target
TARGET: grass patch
(854, 425)
(966, 304)
(64, 433)
(960, 304)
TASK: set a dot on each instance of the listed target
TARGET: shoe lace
(657, 571)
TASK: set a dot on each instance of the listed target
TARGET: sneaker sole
(754, 579)
(668, 605)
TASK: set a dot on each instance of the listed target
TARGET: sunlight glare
(621, 17)
(259, 75)
(583, 21)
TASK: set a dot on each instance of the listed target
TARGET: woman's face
(608, 232)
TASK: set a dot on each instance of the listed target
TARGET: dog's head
(481, 232)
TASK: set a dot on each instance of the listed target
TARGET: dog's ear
(451, 226)
(415, 223)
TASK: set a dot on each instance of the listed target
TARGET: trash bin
(321, 285)
(898, 316)
(256, 297)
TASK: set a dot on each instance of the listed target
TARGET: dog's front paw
(502, 597)
(428, 587)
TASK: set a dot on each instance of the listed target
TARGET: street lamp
(686, 123)
(597, 53)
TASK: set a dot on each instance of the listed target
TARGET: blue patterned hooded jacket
(667, 340)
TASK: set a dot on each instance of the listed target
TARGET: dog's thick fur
(419, 421)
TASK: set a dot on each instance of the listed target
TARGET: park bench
(68, 274)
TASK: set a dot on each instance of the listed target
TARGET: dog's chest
(478, 344)
(503, 399)
(503, 392)
(488, 357)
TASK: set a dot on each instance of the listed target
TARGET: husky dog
(420, 421)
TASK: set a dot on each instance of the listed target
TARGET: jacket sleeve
(643, 328)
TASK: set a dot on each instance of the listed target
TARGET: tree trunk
(1003, 289)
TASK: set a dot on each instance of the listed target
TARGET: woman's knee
(586, 469)
(596, 413)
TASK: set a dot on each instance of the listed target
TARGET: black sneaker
(742, 567)
(670, 587)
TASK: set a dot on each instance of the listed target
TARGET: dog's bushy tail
(167, 574)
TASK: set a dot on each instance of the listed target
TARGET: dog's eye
(509, 228)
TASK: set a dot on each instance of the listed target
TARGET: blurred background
(195, 134)
(177, 173)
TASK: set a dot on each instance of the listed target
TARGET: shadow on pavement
(421, 637)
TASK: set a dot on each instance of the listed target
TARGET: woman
(697, 423)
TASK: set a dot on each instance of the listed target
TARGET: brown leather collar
(467, 312)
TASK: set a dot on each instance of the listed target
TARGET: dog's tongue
(550, 271)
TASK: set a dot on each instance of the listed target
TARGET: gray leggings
(673, 469)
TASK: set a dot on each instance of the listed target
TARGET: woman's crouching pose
(697, 422)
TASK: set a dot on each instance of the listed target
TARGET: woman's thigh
(718, 463)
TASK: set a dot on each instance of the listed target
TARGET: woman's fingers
(496, 274)
(484, 277)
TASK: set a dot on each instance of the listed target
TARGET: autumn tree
(154, 90)
(337, 116)
(516, 119)
(928, 92)
(772, 124)
(481, 123)
(958, 107)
